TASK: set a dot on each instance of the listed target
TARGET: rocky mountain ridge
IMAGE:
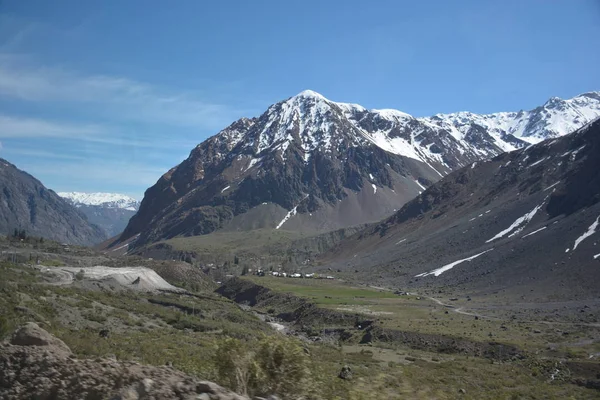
(523, 221)
(25, 204)
(556, 117)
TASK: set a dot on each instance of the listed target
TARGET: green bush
(95, 316)
(85, 303)
(268, 366)
(236, 366)
(80, 275)
(5, 326)
(284, 366)
(52, 263)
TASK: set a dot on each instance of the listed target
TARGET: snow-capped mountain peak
(105, 200)
(310, 94)
(306, 118)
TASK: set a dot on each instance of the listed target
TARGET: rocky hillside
(311, 164)
(523, 221)
(110, 211)
(36, 365)
(25, 204)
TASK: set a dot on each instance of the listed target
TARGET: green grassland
(421, 314)
(324, 291)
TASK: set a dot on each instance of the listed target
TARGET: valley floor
(553, 344)
(396, 346)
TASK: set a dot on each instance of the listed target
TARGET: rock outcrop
(36, 365)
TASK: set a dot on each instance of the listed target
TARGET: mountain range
(313, 165)
(26, 204)
(110, 211)
(461, 199)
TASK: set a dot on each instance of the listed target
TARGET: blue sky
(108, 95)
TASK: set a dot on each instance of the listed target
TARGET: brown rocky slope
(36, 365)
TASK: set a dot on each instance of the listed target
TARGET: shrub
(52, 263)
(235, 365)
(270, 366)
(284, 366)
(5, 326)
(95, 316)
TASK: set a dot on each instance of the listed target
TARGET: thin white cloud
(16, 127)
(11, 151)
(118, 98)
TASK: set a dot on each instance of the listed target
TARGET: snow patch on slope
(419, 183)
(439, 271)
(591, 230)
(551, 186)
(290, 214)
(538, 162)
(252, 163)
(534, 232)
(517, 226)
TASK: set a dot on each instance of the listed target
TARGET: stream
(278, 326)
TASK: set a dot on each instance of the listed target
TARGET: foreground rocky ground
(35, 364)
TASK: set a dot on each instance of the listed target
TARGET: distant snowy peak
(105, 200)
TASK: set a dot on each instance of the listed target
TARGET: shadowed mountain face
(314, 165)
(525, 219)
(25, 204)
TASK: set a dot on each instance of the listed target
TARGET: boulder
(345, 373)
(31, 334)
